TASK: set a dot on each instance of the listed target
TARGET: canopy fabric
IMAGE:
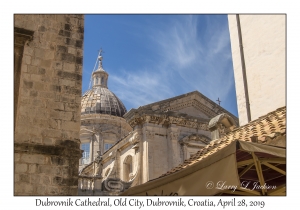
(263, 148)
(215, 173)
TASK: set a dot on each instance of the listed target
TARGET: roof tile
(269, 125)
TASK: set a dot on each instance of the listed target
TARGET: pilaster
(173, 153)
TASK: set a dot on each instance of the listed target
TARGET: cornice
(22, 35)
(90, 119)
(132, 139)
(195, 99)
(195, 138)
(165, 119)
(190, 145)
(93, 117)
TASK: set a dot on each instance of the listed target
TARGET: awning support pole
(259, 172)
(245, 170)
(273, 160)
(244, 162)
(274, 168)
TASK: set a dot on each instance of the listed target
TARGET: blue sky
(155, 57)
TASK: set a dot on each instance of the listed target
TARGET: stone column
(96, 145)
(98, 176)
(151, 153)
(85, 184)
(118, 164)
(101, 142)
(145, 156)
(91, 149)
(173, 145)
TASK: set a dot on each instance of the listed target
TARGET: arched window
(96, 80)
(127, 168)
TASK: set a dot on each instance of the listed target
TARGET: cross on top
(101, 51)
(219, 102)
(100, 57)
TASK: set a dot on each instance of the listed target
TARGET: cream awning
(222, 171)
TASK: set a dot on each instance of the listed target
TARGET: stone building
(102, 124)
(254, 154)
(47, 95)
(249, 160)
(121, 151)
(258, 44)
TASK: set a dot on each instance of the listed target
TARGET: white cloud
(140, 88)
(185, 60)
(177, 43)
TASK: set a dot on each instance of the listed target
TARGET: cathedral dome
(99, 99)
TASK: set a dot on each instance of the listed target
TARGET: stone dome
(99, 99)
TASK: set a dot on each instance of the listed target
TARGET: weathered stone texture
(48, 114)
(164, 135)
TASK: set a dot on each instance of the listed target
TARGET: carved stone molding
(194, 140)
(147, 119)
(166, 119)
(115, 184)
(193, 99)
(21, 36)
(135, 139)
(221, 125)
(173, 135)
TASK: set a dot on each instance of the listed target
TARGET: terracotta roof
(266, 127)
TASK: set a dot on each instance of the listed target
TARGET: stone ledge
(66, 149)
(21, 35)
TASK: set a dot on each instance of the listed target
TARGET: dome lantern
(99, 99)
(100, 77)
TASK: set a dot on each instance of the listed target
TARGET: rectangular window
(86, 153)
(107, 146)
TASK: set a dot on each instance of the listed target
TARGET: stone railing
(89, 185)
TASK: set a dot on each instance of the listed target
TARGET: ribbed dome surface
(101, 100)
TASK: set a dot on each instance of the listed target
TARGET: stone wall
(193, 112)
(158, 160)
(125, 153)
(164, 149)
(161, 140)
(154, 149)
(107, 165)
(47, 109)
(263, 40)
